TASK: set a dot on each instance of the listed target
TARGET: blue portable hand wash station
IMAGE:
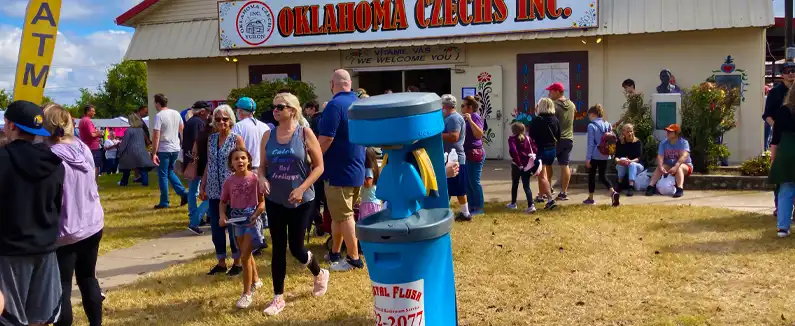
(407, 246)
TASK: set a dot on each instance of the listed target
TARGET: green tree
(5, 99)
(122, 92)
(46, 99)
(263, 93)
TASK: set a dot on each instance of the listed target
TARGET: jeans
(111, 165)
(144, 172)
(474, 189)
(634, 169)
(768, 135)
(786, 195)
(166, 175)
(80, 259)
(196, 211)
(219, 233)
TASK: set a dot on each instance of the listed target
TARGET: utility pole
(789, 42)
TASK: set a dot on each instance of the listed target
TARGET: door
(486, 82)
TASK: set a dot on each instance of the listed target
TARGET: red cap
(673, 128)
(556, 87)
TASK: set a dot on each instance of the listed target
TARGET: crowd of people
(282, 174)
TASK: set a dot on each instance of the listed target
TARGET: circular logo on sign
(255, 23)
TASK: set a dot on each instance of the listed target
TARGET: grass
(129, 216)
(635, 265)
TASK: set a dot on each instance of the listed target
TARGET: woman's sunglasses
(788, 71)
(221, 119)
(280, 107)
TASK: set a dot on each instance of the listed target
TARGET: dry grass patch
(129, 216)
(636, 265)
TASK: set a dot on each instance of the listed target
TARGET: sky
(88, 43)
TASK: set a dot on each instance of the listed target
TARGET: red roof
(130, 14)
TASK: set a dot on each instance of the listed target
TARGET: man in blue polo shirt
(344, 171)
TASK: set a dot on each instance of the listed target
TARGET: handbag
(191, 169)
(475, 154)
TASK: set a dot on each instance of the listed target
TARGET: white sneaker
(258, 284)
(511, 206)
(782, 233)
(244, 301)
(341, 266)
(530, 210)
(276, 306)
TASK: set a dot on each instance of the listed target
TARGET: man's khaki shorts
(340, 201)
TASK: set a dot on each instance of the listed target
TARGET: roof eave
(125, 18)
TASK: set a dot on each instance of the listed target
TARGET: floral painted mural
(484, 96)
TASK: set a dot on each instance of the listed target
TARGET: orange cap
(673, 128)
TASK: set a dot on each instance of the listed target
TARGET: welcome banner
(265, 23)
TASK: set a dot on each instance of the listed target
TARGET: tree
(5, 99)
(46, 99)
(123, 91)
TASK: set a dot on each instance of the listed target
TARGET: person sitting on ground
(629, 150)
(594, 158)
(673, 158)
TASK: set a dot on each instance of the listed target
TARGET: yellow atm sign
(36, 49)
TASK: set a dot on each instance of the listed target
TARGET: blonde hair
(546, 106)
(634, 138)
(294, 104)
(518, 130)
(226, 109)
(58, 121)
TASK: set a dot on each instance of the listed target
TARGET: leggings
(80, 259)
(516, 174)
(287, 227)
(602, 166)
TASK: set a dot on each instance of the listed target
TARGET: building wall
(691, 56)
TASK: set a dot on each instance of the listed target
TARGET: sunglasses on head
(280, 107)
(221, 119)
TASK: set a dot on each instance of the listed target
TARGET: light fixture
(234, 59)
(598, 40)
(583, 41)
(227, 59)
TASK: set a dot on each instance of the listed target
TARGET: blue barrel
(410, 263)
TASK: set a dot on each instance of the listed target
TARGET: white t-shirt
(110, 153)
(167, 122)
(252, 131)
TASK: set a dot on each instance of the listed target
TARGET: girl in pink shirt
(242, 202)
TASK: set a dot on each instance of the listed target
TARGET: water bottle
(452, 156)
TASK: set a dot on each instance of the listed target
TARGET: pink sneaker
(276, 306)
(321, 283)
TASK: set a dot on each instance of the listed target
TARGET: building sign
(265, 23)
(419, 55)
(36, 49)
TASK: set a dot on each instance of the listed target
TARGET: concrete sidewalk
(125, 266)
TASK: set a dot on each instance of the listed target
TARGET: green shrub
(757, 166)
(638, 113)
(707, 114)
(264, 92)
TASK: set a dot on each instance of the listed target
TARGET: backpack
(607, 145)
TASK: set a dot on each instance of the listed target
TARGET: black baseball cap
(27, 116)
(200, 105)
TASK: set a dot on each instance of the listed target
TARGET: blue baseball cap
(247, 104)
(27, 116)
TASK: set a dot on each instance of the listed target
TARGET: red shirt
(87, 129)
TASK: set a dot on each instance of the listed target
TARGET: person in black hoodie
(31, 181)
